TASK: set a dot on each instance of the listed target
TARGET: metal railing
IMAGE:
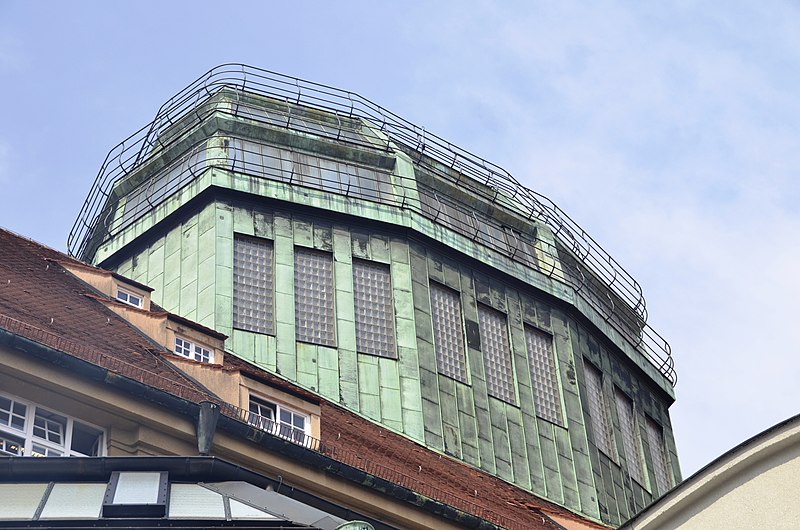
(349, 457)
(365, 461)
(111, 363)
(346, 117)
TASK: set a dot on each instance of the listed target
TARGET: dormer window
(190, 350)
(129, 298)
(278, 420)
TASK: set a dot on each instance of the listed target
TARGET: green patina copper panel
(369, 387)
(243, 343)
(191, 266)
(519, 453)
(265, 354)
(552, 473)
(449, 407)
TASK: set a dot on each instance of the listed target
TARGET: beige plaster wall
(754, 487)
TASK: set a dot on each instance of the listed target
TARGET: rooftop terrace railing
(342, 110)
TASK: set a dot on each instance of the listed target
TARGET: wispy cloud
(670, 133)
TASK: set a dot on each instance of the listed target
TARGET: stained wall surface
(190, 266)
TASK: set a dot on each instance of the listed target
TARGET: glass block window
(546, 396)
(448, 336)
(315, 319)
(253, 306)
(372, 296)
(193, 351)
(598, 412)
(496, 353)
(658, 452)
(630, 435)
(27, 429)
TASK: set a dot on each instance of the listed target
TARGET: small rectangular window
(546, 396)
(372, 298)
(49, 426)
(30, 430)
(253, 307)
(86, 440)
(447, 332)
(11, 445)
(12, 414)
(129, 298)
(315, 319)
(261, 413)
(658, 452)
(496, 353)
(190, 350)
(630, 435)
(278, 420)
(598, 413)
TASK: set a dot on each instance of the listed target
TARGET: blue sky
(669, 130)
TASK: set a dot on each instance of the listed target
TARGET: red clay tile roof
(41, 301)
(402, 461)
(398, 459)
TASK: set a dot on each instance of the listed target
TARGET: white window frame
(126, 298)
(275, 425)
(33, 445)
(191, 350)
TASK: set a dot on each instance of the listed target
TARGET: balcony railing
(327, 112)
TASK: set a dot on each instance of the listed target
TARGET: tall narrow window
(546, 396)
(315, 319)
(630, 435)
(597, 409)
(496, 354)
(447, 334)
(372, 297)
(129, 298)
(253, 285)
(658, 452)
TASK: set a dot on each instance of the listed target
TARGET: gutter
(241, 430)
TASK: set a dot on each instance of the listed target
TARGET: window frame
(193, 347)
(269, 324)
(31, 443)
(275, 425)
(460, 332)
(332, 341)
(513, 399)
(555, 375)
(127, 298)
(603, 422)
(392, 333)
(656, 429)
(633, 453)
